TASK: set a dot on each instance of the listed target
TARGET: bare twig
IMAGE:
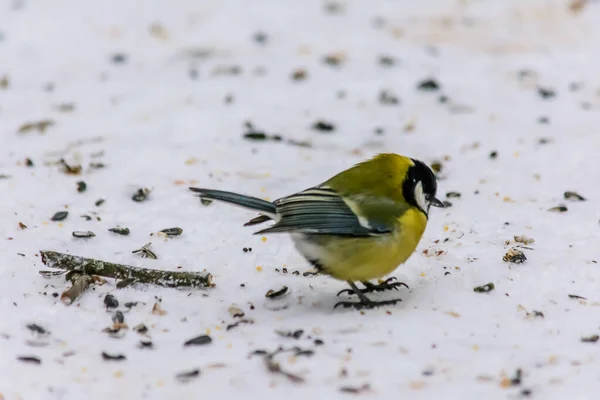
(80, 283)
(89, 266)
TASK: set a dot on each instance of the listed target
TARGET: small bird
(358, 226)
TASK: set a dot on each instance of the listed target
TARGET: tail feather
(252, 203)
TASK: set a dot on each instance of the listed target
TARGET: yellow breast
(362, 259)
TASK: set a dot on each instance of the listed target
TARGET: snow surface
(159, 128)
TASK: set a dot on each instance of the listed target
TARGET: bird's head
(419, 187)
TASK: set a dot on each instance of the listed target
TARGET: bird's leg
(371, 287)
(364, 301)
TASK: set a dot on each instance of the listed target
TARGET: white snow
(160, 129)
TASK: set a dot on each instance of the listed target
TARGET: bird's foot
(366, 304)
(388, 284)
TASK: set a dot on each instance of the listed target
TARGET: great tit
(358, 226)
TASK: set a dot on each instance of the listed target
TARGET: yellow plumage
(357, 226)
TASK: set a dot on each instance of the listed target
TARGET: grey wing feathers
(319, 211)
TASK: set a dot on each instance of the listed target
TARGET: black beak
(435, 202)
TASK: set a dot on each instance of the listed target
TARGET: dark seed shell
(186, 376)
(120, 231)
(271, 294)
(83, 234)
(118, 317)
(488, 287)
(574, 196)
(323, 126)
(81, 186)
(30, 359)
(111, 301)
(59, 216)
(428, 85)
(172, 231)
(198, 341)
(560, 208)
(590, 339)
(113, 357)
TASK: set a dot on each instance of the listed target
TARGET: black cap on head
(421, 173)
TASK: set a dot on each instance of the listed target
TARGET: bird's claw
(388, 284)
(363, 304)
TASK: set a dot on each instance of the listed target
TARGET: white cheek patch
(420, 197)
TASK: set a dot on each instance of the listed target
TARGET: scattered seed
(118, 58)
(446, 203)
(146, 252)
(30, 359)
(120, 231)
(188, 375)
(493, 154)
(319, 342)
(247, 249)
(574, 196)
(333, 59)
(293, 334)
(113, 357)
(544, 120)
(386, 61)
(546, 93)
(355, 390)
(111, 301)
(260, 37)
(97, 165)
(271, 294)
(35, 328)
(560, 208)
(299, 74)
(157, 309)
(205, 202)
(60, 216)
(453, 195)
(236, 312)
(514, 256)
(574, 296)
(428, 85)
(488, 287)
(40, 126)
(310, 273)
(236, 324)
(99, 202)
(387, 98)
(86, 217)
(141, 195)
(143, 344)
(81, 186)
(118, 317)
(535, 314)
(323, 126)
(69, 169)
(141, 329)
(83, 234)
(22, 226)
(524, 239)
(171, 232)
(517, 378)
(590, 339)
(198, 341)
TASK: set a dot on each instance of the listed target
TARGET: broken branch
(88, 266)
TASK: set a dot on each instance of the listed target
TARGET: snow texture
(159, 92)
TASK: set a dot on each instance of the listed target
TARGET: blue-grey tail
(252, 203)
